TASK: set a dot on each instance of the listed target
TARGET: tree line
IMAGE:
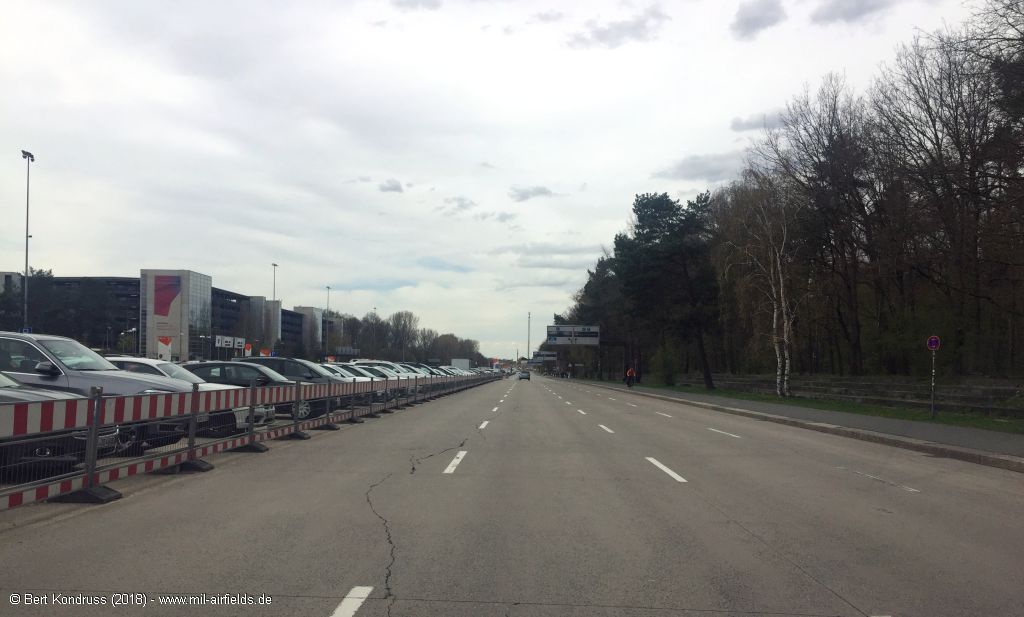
(861, 224)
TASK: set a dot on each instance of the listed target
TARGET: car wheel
(131, 440)
(302, 410)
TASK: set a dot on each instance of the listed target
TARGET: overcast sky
(462, 159)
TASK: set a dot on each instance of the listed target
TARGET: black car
(301, 370)
(51, 453)
(245, 373)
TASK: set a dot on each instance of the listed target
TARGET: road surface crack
(413, 461)
(391, 544)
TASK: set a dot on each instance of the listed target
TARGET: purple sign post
(933, 343)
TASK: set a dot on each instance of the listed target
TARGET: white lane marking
(484, 424)
(631, 404)
(501, 401)
(610, 398)
(568, 403)
(882, 480)
(606, 428)
(493, 410)
(455, 462)
(351, 603)
(724, 433)
(559, 395)
(663, 414)
(581, 411)
(674, 475)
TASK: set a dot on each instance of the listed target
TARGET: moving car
(524, 375)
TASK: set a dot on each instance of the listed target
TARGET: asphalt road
(569, 501)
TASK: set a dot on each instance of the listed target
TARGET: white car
(261, 414)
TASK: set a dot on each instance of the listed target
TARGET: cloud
(707, 167)
(436, 263)
(522, 193)
(502, 285)
(830, 11)
(373, 284)
(487, 165)
(458, 204)
(505, 217)
(753, 16)
(413, 5)
(556, 262)
(390, 186)
(547, 17)
(756, 122)
(546, 248)
(640, 27)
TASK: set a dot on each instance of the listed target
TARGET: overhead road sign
(574, 335)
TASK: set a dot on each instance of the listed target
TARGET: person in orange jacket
(630, 377)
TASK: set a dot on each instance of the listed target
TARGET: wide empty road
(544, 498)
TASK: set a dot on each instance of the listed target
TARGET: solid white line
(581, 411)
(674, 475)
(724, 433)
(484, 424)
(455, 462)
(606, 428)
(352, 602)
(663, 414)
(493, 410)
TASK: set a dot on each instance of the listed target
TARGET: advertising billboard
(165, 323)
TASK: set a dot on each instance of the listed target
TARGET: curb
(979, 457)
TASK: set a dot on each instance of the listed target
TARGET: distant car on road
(524, 375)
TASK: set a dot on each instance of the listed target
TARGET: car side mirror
(47, 368)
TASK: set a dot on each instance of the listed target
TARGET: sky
(466, 160)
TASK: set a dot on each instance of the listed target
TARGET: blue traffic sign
(934, 343)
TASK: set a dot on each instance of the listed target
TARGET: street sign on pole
(934, 343)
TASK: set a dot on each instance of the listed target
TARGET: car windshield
(374, 371)
(77, 356)
(175, 371)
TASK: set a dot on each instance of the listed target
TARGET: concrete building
(10, 281)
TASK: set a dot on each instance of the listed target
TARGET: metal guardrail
(68, 450)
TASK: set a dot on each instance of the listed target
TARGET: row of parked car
(44, 367)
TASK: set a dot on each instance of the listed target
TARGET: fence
(68, 450)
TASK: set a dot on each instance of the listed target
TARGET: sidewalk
(962, 437)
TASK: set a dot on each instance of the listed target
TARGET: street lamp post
(275, 283)
(327, 330)
(29, 159)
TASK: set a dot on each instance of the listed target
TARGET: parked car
(305, 371)
(219, 423)
(60, 363)
(242, 374)
(53, 452)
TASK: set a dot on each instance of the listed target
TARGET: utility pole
(528, 316)
(327, 333)
(275, 282)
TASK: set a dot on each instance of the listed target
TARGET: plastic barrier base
(96, 494)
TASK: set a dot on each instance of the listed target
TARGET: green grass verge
(953, 418)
